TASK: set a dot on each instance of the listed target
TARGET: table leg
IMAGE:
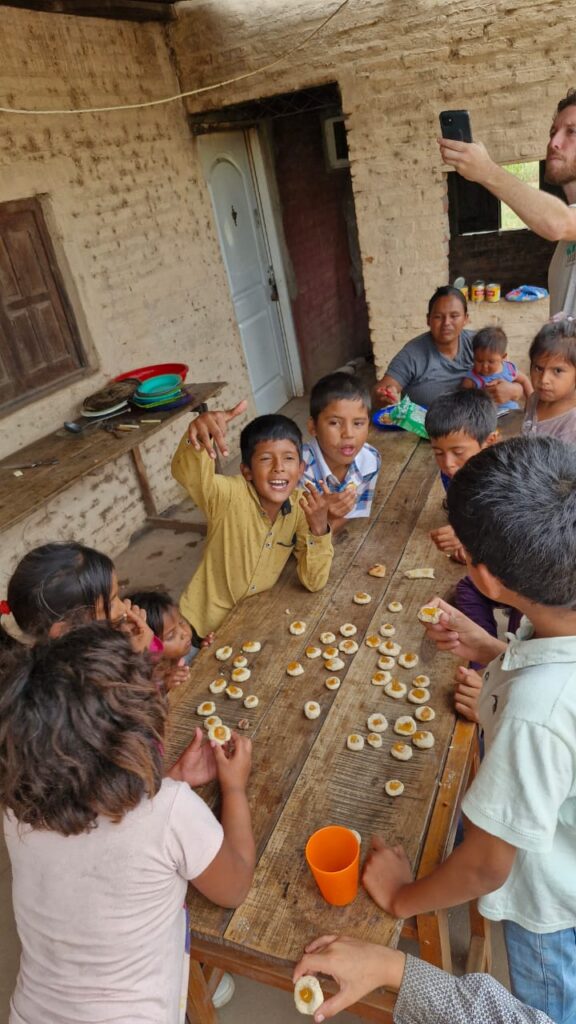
(434, 939)
(480, 950)
(199, 1008)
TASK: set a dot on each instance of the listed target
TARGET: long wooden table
(80, 454)
(303, 776)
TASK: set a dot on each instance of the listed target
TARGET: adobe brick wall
(397, 66)
(132, 224)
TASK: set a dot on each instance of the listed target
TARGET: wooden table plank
(78, 455)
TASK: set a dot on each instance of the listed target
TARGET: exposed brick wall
(397, 66)
(132, 225)
(331, 320)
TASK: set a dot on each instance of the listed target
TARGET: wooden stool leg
(434, 939)
(199, 1009)
(480, 951)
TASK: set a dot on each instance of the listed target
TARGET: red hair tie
(4, 608)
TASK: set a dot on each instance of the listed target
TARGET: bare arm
(548, 216)
(468, 384)
(388, 389)
(526, 384)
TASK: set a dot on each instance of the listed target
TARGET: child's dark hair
(490, 339)
(55, 582)
(81, 726)
(557, 338)
(273, 427)
(155, 603)
(336, 387)
(444, 290)
(473, 412)
(513, 507)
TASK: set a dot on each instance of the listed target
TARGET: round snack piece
(251, 646)
(395, 689)
(327, 638)
(377, 722)
(430, 613)
(211, 721)
(217, 685)
(390, 648)
(297, 628)
(372, 641)
(330, 652)
(401, 751)
(348, 629)
(294, 668)
(313, 652)
(395, 606)
(360, 597)
(419, 695)
(207, 707)
(378, 570)
(423, 739)
(421, 680)
(240, 675)
(234, 692)
(405, 725)
(308, 995)
(348, 646)
(408, 660)
(223, 653)
(332, 683)
(311, 709)
(220, 733)
(387, 629)
(355, 742)
(251, 701)
(243, 724)
(425, 714)
(240, 661)
(374, 739)
(386, 662)
(381, 678)
(334, 664)
(394, 787)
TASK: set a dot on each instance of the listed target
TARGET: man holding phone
(543, 213)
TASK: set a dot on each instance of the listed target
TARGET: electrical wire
(189, 92)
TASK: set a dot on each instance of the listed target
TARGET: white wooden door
(227, 169)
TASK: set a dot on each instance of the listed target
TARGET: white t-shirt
(525, 790)
(100, 915)
(562, 279)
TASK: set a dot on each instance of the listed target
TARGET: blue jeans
(543, 970)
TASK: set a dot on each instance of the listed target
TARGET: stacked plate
(164, 391)
(110, 400)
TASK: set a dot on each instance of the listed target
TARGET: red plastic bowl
(151, 371)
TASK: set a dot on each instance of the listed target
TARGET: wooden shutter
(39, 341)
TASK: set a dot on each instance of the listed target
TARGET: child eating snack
(165, 620)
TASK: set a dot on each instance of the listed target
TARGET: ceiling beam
(130, 10)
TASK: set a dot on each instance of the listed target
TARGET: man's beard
(560, 174)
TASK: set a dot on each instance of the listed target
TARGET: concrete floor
(171, 557)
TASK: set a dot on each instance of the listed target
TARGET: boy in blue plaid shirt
(338, 453)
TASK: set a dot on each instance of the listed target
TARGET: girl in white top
(102, 848)
(551, 409)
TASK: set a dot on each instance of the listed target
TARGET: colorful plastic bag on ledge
(526, 293)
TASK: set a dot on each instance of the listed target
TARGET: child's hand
(176, 676)
(357, 968)
(467, 692)
(209, 429)
(340, 503)
(458, 634)
(197, 765)
(233, 764)
(315, 505)
(208, 640)
(386, 870)
(136, 627)
(445, 539)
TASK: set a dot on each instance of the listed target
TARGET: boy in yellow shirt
(255, 520)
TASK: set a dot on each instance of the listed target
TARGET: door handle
(274, 297)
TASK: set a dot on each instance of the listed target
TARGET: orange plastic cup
(333, 855)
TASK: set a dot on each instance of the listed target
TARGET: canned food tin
(465, 291)
(478, 291)
(492, 292)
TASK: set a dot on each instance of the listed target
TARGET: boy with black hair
(513, 506)
(255, 520)
(338, 457)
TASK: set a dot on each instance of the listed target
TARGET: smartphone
(455, 124)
